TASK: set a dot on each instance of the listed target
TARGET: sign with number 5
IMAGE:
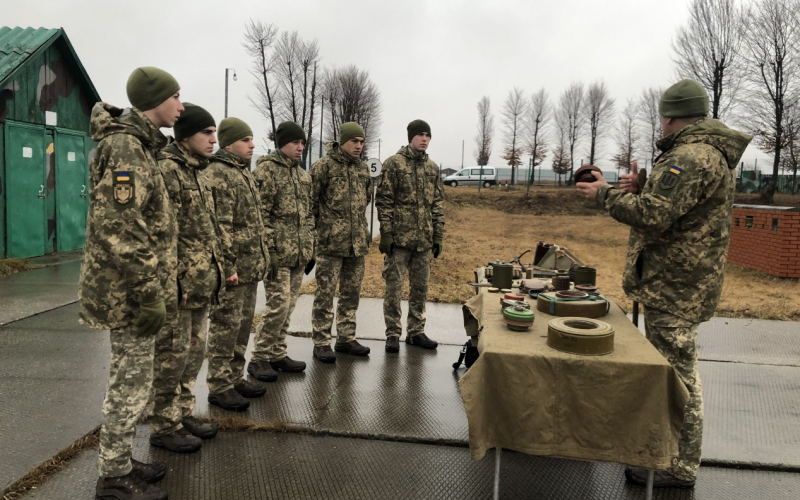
(375, 167)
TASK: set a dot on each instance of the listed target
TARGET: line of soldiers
(178, 234)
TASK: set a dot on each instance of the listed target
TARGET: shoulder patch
(123, 187)
(668, 180)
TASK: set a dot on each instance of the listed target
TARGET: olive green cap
(417, 127)
(349, 130)
(231, 130)
(148, 87)
(192, 120)
(685, 99)
(287, 132)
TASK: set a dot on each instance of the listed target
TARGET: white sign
(375, 167)
(50, 118)
(71, 156)
(27, 152)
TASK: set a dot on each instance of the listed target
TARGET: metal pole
(379, 148)
(649, 493)
(372, 207)
(321, 122)
(462, 153)
(226, 93)
(497, 453)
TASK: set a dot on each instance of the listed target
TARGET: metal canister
(502, 275)
(561, 282)
(585, 276)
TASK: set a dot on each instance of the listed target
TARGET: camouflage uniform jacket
(341, 192)
(238, 213)
(199, 253)
(409, 200)
(286, 208)
(130, 254)
(680, 221)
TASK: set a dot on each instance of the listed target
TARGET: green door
(25, 190)
(71, 190)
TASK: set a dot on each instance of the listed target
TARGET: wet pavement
(390, 426)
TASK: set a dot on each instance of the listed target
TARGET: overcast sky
(430, 59)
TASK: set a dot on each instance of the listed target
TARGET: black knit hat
(287, 132)
(192, 120)
(417, 127)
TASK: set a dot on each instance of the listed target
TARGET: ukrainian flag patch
(676, 170)
(123, 177)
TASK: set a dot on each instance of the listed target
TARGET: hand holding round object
(584, 174)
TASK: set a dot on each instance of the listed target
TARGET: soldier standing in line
(181, 344)
(680, 222)
(128, 278)
(340, 197)
(409, 202)
(245, 255)
(285, 190)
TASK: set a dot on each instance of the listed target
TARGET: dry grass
(39, 475)
(500, 222)
(12, 265)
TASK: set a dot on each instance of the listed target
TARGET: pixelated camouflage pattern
(130, 254)
(228, 334)
(196, 322)
(680, 223)
(171, 355)
(199, 253)
(346, 274)
(409, 200)
(281, 296)
(286, 208)
(341, 193)
(129, 384)
(395, 267)
(676, 339)
(245, 251)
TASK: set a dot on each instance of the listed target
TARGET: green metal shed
(46, 99)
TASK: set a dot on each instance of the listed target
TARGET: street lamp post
(226, 87)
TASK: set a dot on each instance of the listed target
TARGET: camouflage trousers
(346, 273)
(281, 295)
(179, 353)
(676, 340)
(228, 334)
(395, 267)
(130, 382)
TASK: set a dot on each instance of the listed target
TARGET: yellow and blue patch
(676, 170)
(123, 177)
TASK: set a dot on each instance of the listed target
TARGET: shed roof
(17, 45)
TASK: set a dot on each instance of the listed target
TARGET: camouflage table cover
(522, 395)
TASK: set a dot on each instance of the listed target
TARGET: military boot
(422, 340)
(351, 347)
(262, 370)
(203, 430)
(250, 389)
(661, 478)
(325, 354)
(288, 365)
(152, 472)
(229, 400)
(180, 441)
(131, 486)
(393, 343)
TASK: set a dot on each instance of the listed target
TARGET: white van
(472, 176)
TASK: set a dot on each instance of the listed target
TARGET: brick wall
(767, 239)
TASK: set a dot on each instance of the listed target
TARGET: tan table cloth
(520, 394)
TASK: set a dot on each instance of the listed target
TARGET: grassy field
(499, 223)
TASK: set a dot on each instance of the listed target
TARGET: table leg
(649, 493)
(497, 453)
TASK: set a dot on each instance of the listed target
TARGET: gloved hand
(387, 244)
(437, 248)
(272, 273)
(151, 317)
(310, 265)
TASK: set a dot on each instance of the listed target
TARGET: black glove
(310, 265)
(437, 249)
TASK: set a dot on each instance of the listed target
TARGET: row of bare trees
(292, 84)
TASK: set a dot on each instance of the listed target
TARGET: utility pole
(321, 122)
(462, 153)
(226, 88)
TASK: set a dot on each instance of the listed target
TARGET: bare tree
(599, 109)
(790, 144)
(571, 106)
(627, 138)
(483, 139)
(650, 121)
(353, 97)
(258, 43)
(707, 49)
(561, 163)
(514, 120)
(538, 117)
(772, 35)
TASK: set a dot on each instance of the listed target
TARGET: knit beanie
(148, 87)
(417, 127)
(231, 130)
(192, 120)
(349, 130)
(287, 132)
(685, 99)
